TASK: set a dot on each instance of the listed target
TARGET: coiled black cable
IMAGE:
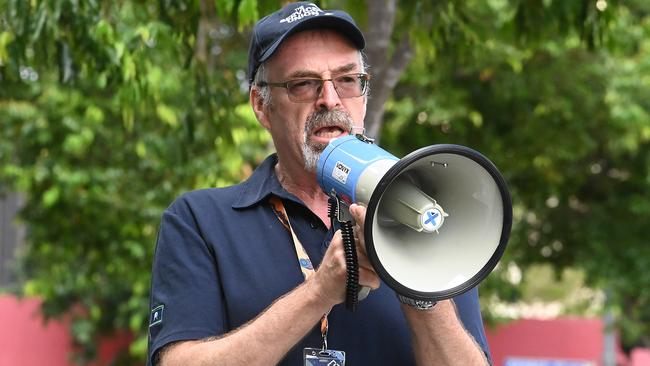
(352, 264)
(351, 260)
(332, 210)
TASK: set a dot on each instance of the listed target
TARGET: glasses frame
(285, 85)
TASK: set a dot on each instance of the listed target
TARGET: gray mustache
(336, 117)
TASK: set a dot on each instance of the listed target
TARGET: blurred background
(110, 109)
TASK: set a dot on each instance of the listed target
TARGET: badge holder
(323, 356)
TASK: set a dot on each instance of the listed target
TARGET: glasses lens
(301, 90)
(351, 85)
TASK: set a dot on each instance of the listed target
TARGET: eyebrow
(309, 73)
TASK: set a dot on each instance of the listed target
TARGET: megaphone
(437, 220)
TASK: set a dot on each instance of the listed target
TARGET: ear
(258, 107)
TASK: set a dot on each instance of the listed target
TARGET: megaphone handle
(350, 249)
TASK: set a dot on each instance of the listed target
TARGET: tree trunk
(208, 22)
(384, 67)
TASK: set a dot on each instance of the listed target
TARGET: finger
(360, 241)
(361, 248)
(358, 231)
(329, 279)
(358, 212)
(363, 260)
(336, 242)
(336, 237)
(334, 256)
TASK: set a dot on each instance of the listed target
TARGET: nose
(329, 97)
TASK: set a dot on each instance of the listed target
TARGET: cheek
(362, 114)
(299, 120)
(289, 126)
(357, 111)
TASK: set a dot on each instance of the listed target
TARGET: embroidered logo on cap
(156, 315)
(301, 12)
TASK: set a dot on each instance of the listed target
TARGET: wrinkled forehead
(314, 53)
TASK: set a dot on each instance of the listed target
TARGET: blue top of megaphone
(343, 161)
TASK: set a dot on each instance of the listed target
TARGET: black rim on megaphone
(393, 173)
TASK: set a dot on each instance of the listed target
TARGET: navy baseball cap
(270, 31)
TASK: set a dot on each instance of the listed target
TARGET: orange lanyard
(303, 259)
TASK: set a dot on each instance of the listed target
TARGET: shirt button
(313, 225)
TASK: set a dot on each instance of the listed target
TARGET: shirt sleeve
(469, 311)
(185, 300)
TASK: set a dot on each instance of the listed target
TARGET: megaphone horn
(437, 220)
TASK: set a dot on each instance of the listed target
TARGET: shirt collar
(261, 184)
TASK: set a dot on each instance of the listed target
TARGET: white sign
(341, 172)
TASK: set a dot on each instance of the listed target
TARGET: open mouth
(324, 135)
(329, 132)
(323, 126)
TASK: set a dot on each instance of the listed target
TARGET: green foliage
(106, 117)
(565, 118)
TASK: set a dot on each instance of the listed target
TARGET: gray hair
(265, 91)
(258, 83)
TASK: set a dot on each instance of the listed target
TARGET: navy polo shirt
(222, 257)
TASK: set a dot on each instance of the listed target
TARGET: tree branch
(381, 21)
(385, 84)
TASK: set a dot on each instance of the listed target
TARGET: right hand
(330, 277)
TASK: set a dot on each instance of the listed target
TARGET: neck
(304, 185)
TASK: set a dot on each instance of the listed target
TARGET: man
(227, 287)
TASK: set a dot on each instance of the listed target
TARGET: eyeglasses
(307, 90)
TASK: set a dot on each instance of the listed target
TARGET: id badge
(321, 357)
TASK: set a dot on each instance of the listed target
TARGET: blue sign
(432, 218)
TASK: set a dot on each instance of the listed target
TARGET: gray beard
(311, 150)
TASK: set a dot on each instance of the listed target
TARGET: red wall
(640, 357)
(27, 340)
(561, 339)
(565, 339)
